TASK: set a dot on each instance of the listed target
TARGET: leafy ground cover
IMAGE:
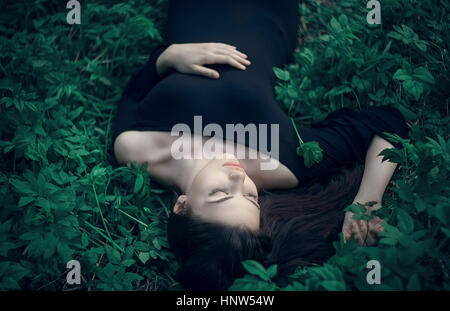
(62, 198)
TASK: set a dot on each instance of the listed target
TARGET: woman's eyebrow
(229, 197)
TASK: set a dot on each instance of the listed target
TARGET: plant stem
(296, 131)
(135, 219)
(101, 214)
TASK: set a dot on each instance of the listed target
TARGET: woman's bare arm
(376, 177)
(377, 173)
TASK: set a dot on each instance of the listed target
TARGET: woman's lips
(234, 164)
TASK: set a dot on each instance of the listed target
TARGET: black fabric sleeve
(345, 135)
(145, 78)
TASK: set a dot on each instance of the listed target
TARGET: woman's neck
(179, 173)
(187, 170)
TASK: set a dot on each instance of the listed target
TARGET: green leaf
(84, 239)
(389, 241)
(127, 263)
(402, 75)
(272, 271)
(130, 277)
(156, 244)
(255, 268)
(144, 256)
(113, 254)
(405, 222)
(415, 88)
(281, 74)
(25, 201)
(311, 152)
(420, 205)
(335, 25)
(440, 213)
(23, 187)
(141, 246)
(356, 208)
(138, 183)
(424, 75)
(333, 285)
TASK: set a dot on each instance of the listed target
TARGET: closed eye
(217, 191)
(252, 196)
(225, 192)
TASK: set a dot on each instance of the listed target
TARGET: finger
(224, 45)
(363, 227)
(223, 59)
(364, 230)
(346, 233)
(357, 233)
(207, 72)
(376, 226)
(243, 55)
(231, 52)
(346, 238)
(236, 55)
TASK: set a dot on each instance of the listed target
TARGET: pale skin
(190, 58)
(376, 177)
(226, 190)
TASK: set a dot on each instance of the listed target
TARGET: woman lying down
(219, 67)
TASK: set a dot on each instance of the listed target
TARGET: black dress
(265, 30)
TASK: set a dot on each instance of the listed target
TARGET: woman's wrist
(163, 63)
(367, 198)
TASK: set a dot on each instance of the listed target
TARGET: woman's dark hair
(210, 254)
(297, 229)
(304, 223)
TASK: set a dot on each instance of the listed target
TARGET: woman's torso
(263, 29)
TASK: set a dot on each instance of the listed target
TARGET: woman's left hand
(364, 231)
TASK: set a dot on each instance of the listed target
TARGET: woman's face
(223, 193)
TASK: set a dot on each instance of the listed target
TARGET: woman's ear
(180, 205)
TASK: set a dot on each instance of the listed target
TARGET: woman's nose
(237, 175)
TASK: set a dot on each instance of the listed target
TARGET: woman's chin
(229, 156)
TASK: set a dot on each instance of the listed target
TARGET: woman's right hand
(191, 57)
(364, 231)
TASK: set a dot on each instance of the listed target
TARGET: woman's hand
(364, 231)
(376, 177)
(191, 57)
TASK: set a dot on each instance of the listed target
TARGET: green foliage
(310, 151)
(257, 278)
(344, 62)
(62, 199)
